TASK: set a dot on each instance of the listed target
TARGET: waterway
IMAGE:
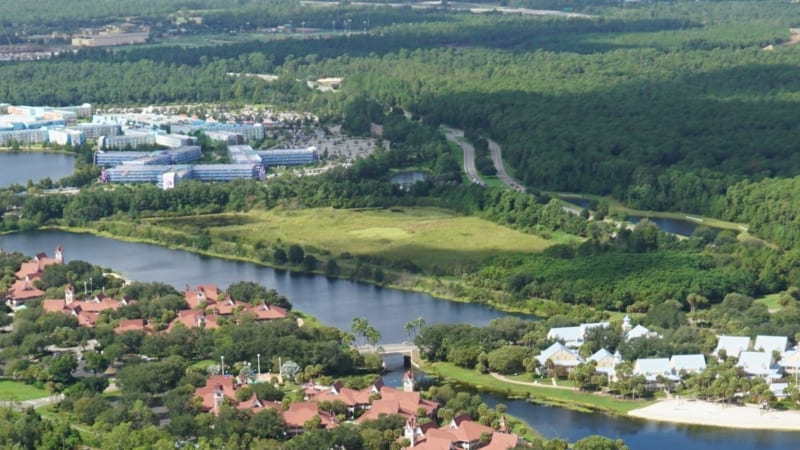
(336, 302)
(406, 179)
(563, 423)
(19, 167)
(674, 226)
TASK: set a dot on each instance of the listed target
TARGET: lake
(19, 167)
(553, 422)
(334, 302)
(406, 179)
(674, 226)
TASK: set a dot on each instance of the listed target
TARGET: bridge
(403, 348)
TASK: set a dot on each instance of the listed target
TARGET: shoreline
(703, 413)
(417, 288)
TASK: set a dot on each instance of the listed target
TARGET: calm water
(675, 226)
(20, 167)
(639, 434)
(409, 178)
(333, 302)
(336, 302)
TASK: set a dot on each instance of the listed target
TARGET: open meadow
(14, 391)
(427, 237)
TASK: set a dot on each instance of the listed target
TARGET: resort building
(461, 433)
(131, 138)
(86, 311)
(289, 157)
(175, 140)
(23, 137)
(23, 289)
(563, 358)
(65, 136)
(733, 345)
(606, 363)
(687, 364)
(95, 130)
(759, 364)
(174, 156)
(116, 34)
(771, 344)
(573, 336)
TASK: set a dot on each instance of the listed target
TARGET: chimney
(408, 382)
(59, 255)
(218, 398)
(27, 286)
(410, 431)
(69, 294)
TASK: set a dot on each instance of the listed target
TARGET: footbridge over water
(403, 348)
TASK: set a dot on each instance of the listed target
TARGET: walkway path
(35, 403)
(457, 137)
(528, 383)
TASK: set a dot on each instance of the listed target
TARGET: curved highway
(497, 159)
(457, 136)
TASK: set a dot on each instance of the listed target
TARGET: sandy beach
(697, 412)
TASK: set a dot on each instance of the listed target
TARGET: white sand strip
(697, 412)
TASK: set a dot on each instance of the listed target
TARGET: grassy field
(771, 302)
(15, 391)
(557, 397)
(427, 237)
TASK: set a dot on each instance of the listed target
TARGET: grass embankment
(14, 391)
(581, 401)
(89, 436)
(432, 239)
(771, 301)
(428, 237)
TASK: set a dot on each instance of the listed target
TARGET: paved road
(497, 159)
(457, 136)
(525, 383)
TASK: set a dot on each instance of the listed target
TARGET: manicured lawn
(427, 237)
(202, 364)
(771, 302)
(16, 391)
(559, 397)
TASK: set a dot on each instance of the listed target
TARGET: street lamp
(222, 365)
(365, 27)
(334, 25)
(258, 355)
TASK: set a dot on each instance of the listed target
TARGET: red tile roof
(227, 306)
(23, 290)
(193, 318)
(299, 413)
(205, 293)
(133, 325)
(502, 441)
(265, 311)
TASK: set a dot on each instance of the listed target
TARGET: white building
(733, 345)
(771, 344)
(759, 364)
